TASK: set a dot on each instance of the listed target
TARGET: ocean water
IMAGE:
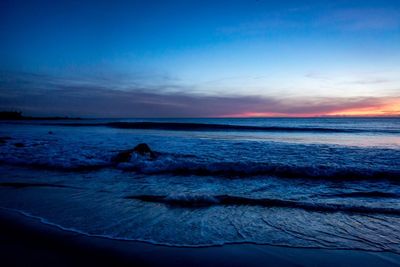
(320, 182)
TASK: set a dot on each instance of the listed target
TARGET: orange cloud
(387, 108)
(266, 114)
(363, 107)
(41, 95)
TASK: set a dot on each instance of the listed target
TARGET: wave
(193, 201)
(369, 194)
(167, 165)
(192, 165)
(178, 126)
(53, 166)
(211, 243)
(19, 185)
(181, 165)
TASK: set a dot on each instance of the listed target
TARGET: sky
(254, 58)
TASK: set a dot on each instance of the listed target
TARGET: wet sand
(25, 241)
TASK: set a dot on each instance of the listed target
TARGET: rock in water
(123, 156)
(144, 150)
(141, 149)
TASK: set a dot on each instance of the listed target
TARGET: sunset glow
(201, 59)
(183, 133)
(386, 107)
(392, 108)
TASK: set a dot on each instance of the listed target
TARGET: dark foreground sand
(27, 242)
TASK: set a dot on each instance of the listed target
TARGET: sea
(330, 183)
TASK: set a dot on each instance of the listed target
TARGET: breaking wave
(57, 166)
(178, 126)
(369, 194)
(19, 185)
(193, 201)
(181, 165)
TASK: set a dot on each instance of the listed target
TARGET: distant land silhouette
(17, 115)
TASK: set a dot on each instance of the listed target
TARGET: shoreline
(26, 241)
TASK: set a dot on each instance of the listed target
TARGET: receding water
(324, 182)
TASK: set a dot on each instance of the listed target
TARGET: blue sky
(171, 58)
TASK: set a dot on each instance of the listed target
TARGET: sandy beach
(28, 242)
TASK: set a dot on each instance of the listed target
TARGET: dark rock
(50, 132)
(19, 145)
(144, 150)
(123, 156)
(141, 149)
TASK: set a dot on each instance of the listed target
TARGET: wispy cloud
(47, 96)
(357, 19)
(370, 81)
(346, 19)
(317, 76)
(260, 26)
(361, 79)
